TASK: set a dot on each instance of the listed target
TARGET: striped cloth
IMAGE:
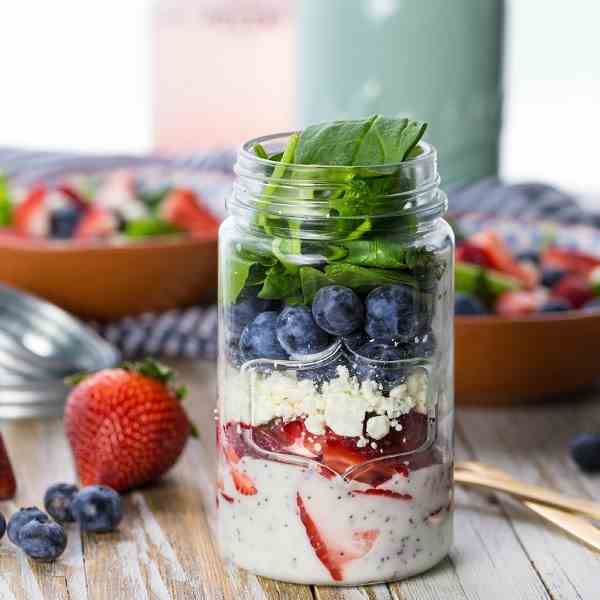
(192, 332)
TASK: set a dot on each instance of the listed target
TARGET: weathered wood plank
(373, 592)
(532, 444)
(41, 456)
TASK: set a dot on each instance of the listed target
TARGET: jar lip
(246, 151)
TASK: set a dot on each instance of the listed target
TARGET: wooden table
(166, 546)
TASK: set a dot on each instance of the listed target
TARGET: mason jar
(335, 417)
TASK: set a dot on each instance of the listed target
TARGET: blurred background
(182, 75)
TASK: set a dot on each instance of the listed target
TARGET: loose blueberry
(57, 501)
(585, 450)
(387, 375)
(63, 221)
(2, 525)
(551, 276)
(298, 333)
(97, 508)
(20, 519)
(43, 541)
(529, 256)
(338, 310)
(391, 312)
(468, 305)
(259, 339)
(555, 305)
(247, 307)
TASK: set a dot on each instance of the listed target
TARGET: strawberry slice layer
(243, 484)
(384, 493)
(330, 553)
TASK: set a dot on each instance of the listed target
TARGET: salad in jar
(335, 414)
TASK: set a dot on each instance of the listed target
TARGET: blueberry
(391, 312)
(247, 307)
(355, 340)
(57, 501)
(43, 541)
(585, 450)
(259, 339)
(592, 305)
(464, 304)
(20, 519)
(387, 375)
(422, 346)
(320, 375)
(63, 221)
(551, 276)
(2, 525)
(338, 310)
(298, 333)
(97, 508)
(555, 305)
(529, 256)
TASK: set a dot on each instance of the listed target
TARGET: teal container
(436, 60)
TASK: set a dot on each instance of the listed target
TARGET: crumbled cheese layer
(342, 404)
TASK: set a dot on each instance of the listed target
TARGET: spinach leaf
(277, 156)
(150, 227)
(486, 284)
(375, 140)
(376, 253)
(281, 284)
(238, 271)
(364, 278)
(260, 151)
(6, 208)
(312, 280)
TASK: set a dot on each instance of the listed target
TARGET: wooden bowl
(503, 361)
(106, 281)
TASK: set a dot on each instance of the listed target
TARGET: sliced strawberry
(96, 223)
(31, 217)
(385, 493)
(574, 288)
(8, 484)
(517, 304)
(243, 483)
(572, 261)
(329, 552)
(500, 258)
(183, 208)
(289, 438)
(470, 253)
(73, 195)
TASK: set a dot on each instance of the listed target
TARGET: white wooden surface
(165, 548)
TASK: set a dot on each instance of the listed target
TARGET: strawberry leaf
(151, 368)
(76, 378)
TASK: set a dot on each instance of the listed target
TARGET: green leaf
(76, 378)
(377, 253)
(312, 280)
(280, 284)
(150, 227)
(363, 278)
(151, 198)
(238, 271)
(376, 140)
(260, 151)
(277, 156)
(6, 208)
(151, 368)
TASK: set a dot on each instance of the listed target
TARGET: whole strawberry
(8, 485)
(126, 426)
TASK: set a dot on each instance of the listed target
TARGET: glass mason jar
(335, 418)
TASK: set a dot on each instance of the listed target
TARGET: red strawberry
(31, 217)
(572, 261)
(96, 223)
(233, 454)
(574, 288)
(329, 552)
(8, 484)
(473, 254)
(126, 426)
(73, 195)
(182, 208)
(518, 304)
(384, 493)
(243, 483)
(499, 257)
